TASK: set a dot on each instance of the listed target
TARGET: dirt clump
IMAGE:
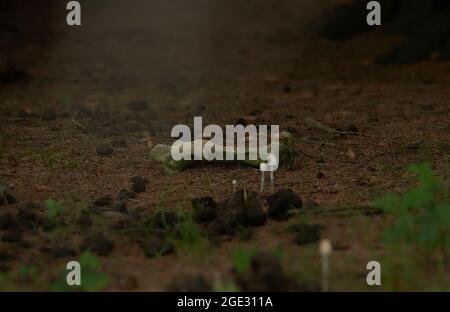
(138, 184)
(281, 202)
(205, 209)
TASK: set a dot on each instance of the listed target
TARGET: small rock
(281, 202)
(103, 201)
(320, 175)
(138, 184)
(49, 115)
(104, 150)
(138, 106)
(157, 246)
(205, 209)
(100, 245)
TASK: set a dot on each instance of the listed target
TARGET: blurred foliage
(92, 277)
(54, 208)
(422, 213)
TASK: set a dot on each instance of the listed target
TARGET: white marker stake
(325, 249)
(234, 186)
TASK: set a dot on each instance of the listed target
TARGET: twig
(78, 124)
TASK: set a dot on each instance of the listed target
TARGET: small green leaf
(54, 208)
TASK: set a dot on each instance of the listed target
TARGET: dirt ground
(221, 60)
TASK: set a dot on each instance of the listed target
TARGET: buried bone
(188, 153)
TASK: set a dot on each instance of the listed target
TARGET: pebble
(104, 150)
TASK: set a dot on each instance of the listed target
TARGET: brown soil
(219, 61)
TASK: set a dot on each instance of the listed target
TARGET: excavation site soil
(85, 106)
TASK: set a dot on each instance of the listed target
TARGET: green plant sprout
(422, 213)
(92, 277)
(242, 258)
(54, 208)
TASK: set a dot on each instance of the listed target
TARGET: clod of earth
(99, 244)
(104, 150)
(162, 154)
(237, 212)
(281, 202)
(306, 233)
(138, 184)
(205, 209)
